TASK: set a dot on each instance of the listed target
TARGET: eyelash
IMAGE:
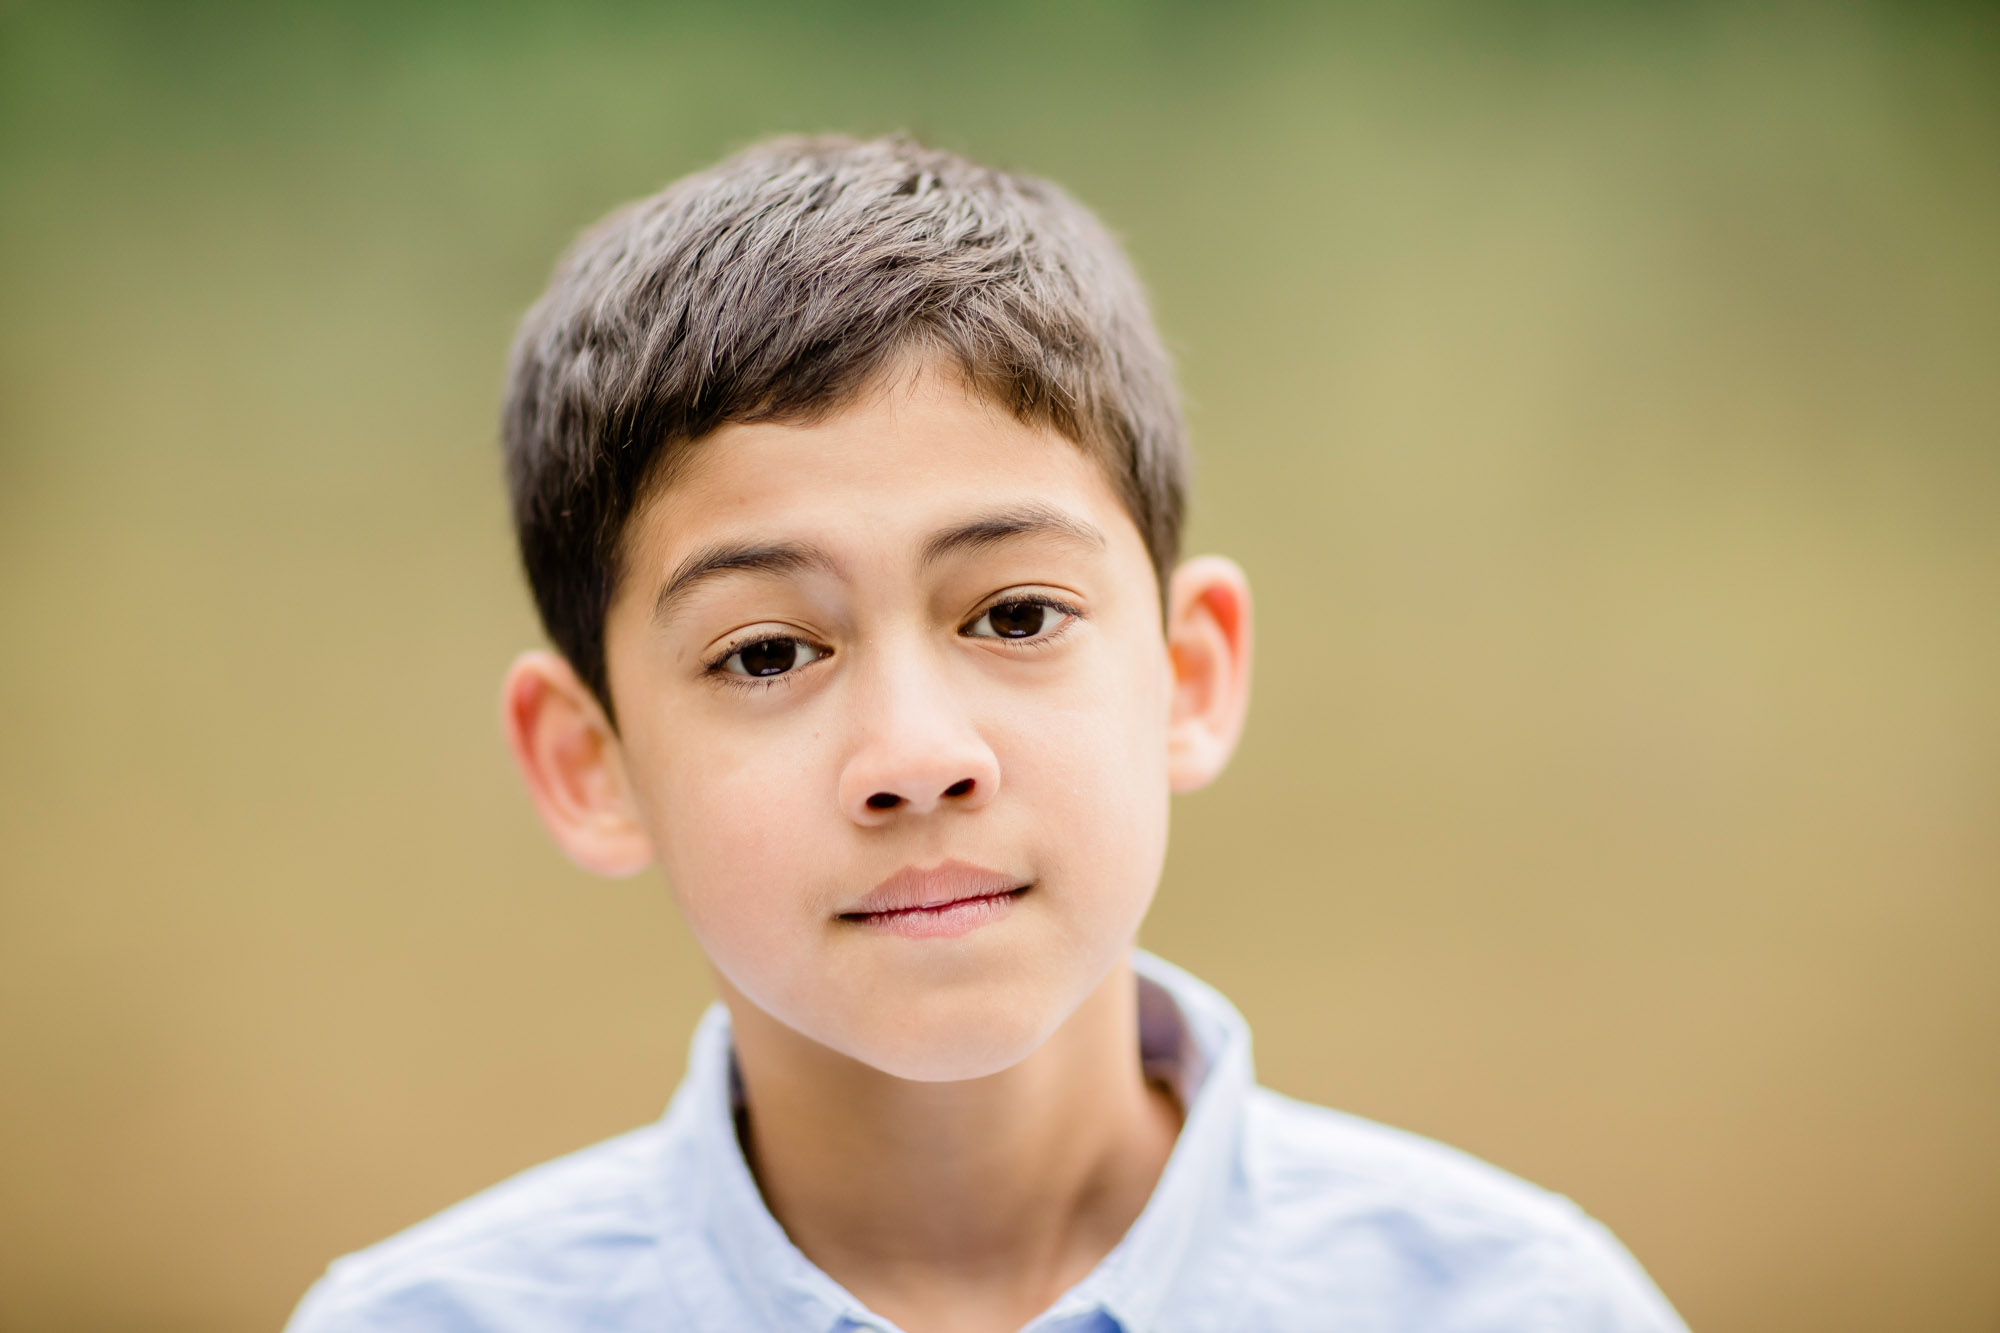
(732, 680)
(1027, 599)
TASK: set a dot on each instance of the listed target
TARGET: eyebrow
(778, 559)
(1028, 520)
(712, 562)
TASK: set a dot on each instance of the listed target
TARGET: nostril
(884, 800)
(959, 788)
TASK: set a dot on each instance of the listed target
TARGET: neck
(957, 1207)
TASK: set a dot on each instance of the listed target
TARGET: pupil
(769, 657)
(1016, 620)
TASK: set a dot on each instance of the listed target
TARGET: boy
(848, 478)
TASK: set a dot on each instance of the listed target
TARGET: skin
(969, 664)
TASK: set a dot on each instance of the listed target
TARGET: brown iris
(769, 657)
(1017, 620)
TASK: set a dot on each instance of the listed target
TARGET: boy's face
(894, 715)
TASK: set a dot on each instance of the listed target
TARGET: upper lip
(915, 887)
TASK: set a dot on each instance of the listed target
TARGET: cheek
(1095, 776)
(727, 815)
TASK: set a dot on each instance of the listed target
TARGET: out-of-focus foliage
(1603, 398)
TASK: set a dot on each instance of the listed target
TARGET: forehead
(915, 453)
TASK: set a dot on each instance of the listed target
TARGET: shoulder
(1401, 1221)
(544, 1249)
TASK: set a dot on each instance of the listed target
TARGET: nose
(917, 751)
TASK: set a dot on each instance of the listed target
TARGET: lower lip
(941, 922)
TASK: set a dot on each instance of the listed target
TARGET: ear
(1208, 644)
(570, 758)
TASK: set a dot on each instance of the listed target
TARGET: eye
(1019, 619)
(770, 657)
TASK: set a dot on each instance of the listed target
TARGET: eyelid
(1031, 597)
(818, 654)
(762, 633)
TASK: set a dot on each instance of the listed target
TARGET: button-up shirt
(1270, 1215)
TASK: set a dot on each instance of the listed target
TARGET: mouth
(939, 902)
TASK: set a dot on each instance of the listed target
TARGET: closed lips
(933, 889)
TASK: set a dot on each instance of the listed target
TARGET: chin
(938, 1048)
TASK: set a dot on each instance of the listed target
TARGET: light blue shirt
(1270, 1215)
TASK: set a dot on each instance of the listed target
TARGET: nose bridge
(916, 746)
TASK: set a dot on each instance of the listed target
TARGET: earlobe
(1208, 644)
(573, 766)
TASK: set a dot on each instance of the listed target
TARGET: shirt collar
(1182, 1261)
(1181, 1257)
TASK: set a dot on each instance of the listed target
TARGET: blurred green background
(1605, 400)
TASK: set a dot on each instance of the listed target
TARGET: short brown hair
(772, 287)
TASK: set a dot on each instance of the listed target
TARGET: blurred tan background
(1605, 399)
